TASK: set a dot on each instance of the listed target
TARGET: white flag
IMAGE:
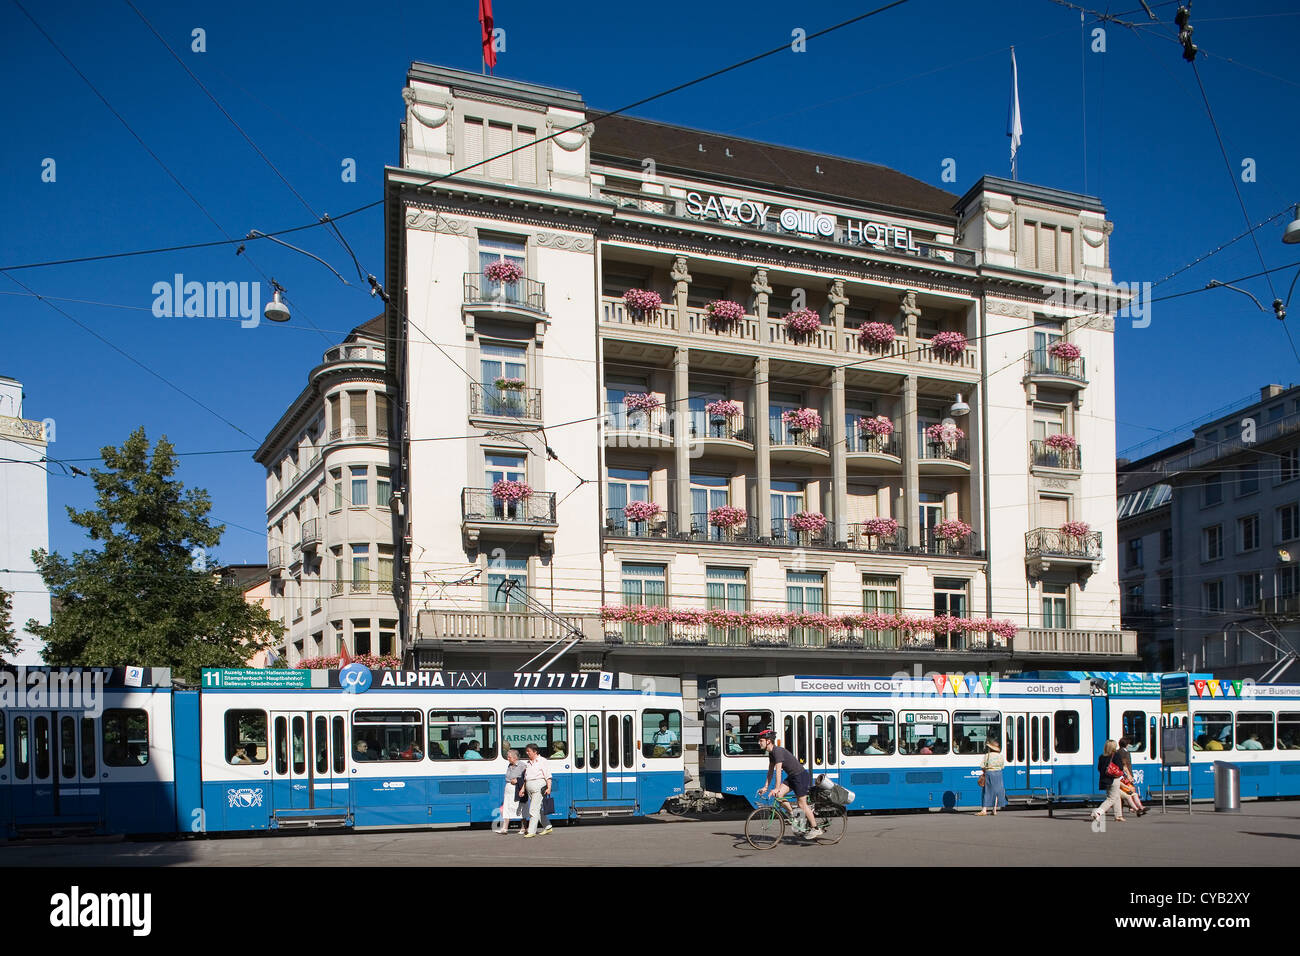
(1014, 129)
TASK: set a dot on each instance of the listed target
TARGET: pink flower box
(954, 529)
(1062, 442)
(641, 510)
(643, 301)
(945, 434)
(802, 323)
(876, 334)
(1076, 529)
(805, 419)
(503, 270)
(1064, 350)
(879, 426)
(642, 402)
(725, 311)
(728, 517)
(813, 521)
(722, 408)
(951, 344)
(886, 527)
(507, 490)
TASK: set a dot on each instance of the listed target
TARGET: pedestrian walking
(537, 781)
(995, 794)
(510, 805)
(1110, 773)
(1128, 786)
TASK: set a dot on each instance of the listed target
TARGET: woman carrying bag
(995, 795)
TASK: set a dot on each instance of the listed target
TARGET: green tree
(144, 595)
(8, 640)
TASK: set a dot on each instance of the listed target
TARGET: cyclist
(797, 778)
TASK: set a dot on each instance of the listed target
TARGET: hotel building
(681, 457)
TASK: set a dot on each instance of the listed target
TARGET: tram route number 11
(556, 681)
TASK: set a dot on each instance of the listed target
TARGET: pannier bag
(837, 794)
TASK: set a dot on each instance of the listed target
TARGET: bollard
(1227, 787)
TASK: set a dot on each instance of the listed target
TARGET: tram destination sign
(257, 678)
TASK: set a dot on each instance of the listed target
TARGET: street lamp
(959, 409)
(1292, 234)
(276, 310)
(1279, 309)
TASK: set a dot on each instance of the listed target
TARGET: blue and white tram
(86, 750)
(413, 749)
(903, 744)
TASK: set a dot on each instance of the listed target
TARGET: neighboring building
(330, 522)
(24, 518)
(625, 395)
(254, 580)
(1234, 519)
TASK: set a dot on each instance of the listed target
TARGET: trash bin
(1227, 787)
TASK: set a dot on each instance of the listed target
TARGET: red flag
(485, 20)
(344, 658)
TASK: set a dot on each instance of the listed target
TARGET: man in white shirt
(537, 781)
(665, 739)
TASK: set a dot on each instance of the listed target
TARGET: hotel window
(707, 492)
(1166, 544)
(501, 249)
(336, 586)
(1134, 555)
(616, 414)
(497, 363)
(1166, 592)
(1213, 493)
(1248, 591)
(1048, 420)
(705, 289)
(1248, 533)
(697, 403)
(361, 637)
(502, 468)
(385, 569)
(382, 427)
(930, 514)
(615, 283)
(805, 592)
(501, 570)
(788, 499)
(1212, 596)
(623, 486)
(1046, 334)
(645, 584)
(1053, 512)
(1213, 539)
(856, 440)
(361, 567)
(1248, 479)
(1288, 465)
(1288, 522)
(337, 476)
(1288, 581)
(488, 139)
(880, 596)
(360, 481)
(383, 487)
(1274, 414)
(950, 600)
(1134, 601)
(778, 404)
(1046, 248)
(1056, 605)
(387, 638)
(726, 589)
(356, 422)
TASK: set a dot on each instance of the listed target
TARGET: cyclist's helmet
(768, 734)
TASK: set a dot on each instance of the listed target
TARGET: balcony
(637, 429)
(484, 295)
(662, 526)
(1065, 459)
(22, 429)
(1068, 642)
(732, 437)
(798, 445)
(943, 458)
(495, 402)
(701, 530)
(967, 547)
(353, 352)
(1046, 548)
(785, 535)
(700, 322)
(862, 538)
(482, 514)
(1042, 368)
(274, 561)
(873, 454)
(1280, 606)
(502, 626)
(310, 537)
(351, 430)
(967, 360)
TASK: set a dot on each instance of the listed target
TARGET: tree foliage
(8, 640)
(145, 595)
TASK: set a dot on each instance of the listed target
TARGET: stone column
(838, 301)
(762, 445)
(839, 496)
(761, 291)
(681, 288)
(911, 312)
(911, 454)
(680, 417)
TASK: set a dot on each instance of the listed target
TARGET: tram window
(299, 745)
(1033, 739)
(545, 728)
(579, 742)
(68, 747)
(246, 736)
(1155, 740)
(611, 743)
(1067, 732)
(832, 741)
(1134, 727)
(628, 745)
(661, 733)
(868, 733)
(742, 729)
(41, 731)
(788, 742)
(819, 739)
(712, 734)
(87, 748)
(22, 748)
(320, 738)
(973, 729)
(388, 735)
(126, 738)
(593, 742)
(281, 745)
(4, 753)
(462, 735)
(339, 745)
(1255, 730)
(1009, 742)
(802, 752)
(923, 734)
(1212, 731)
(1288, 730)
(1047, 738)
(1020, 740)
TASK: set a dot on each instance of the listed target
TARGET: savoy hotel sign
(806, 222)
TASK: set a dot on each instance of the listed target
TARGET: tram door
(604, 755)
(1027, 749)
(76, 786)
(32, 765)
(813, 737)
(308, 769)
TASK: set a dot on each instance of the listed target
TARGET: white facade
(24, 518)
(585, 219)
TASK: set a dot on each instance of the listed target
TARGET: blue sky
(315, 84)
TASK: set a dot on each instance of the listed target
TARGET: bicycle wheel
(764, 828)
(834, 823)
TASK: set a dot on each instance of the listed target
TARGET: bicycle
(765, 826)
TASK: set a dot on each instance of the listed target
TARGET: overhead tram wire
(457, 172)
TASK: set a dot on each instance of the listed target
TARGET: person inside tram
(1200, 742)
(733, 742)
(1251, 743)
(926, 747)
(247, 755)
(412, 752)
(471, 751)
(436, 751)
(557, 750)
(664, 741)
(846, 746)
(362, 751)
(873, 747)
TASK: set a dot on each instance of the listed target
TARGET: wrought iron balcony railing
(783, 434)
(477, 504)
(619, 525)
(522, 293)
(958, 450)
(310, 536)
(736, 428)
(744, 533)
(1056, 543)
(863, 538)
(858, 441)
(1042, 362)
(501, 402)
(932, 543)
(274, 560)
(785, 534)
(1043, 455)
(652, 421)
